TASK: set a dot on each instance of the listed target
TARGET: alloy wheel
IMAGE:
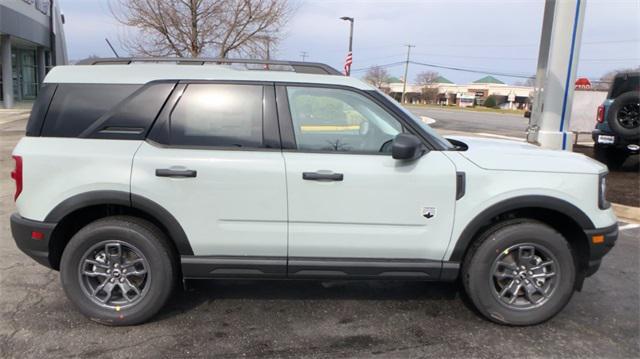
(524, 276)
(114, 274)
(629, 116)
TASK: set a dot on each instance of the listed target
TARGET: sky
(499, 36)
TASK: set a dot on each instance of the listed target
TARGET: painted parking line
(499, 136)
(427, 120)
(628, 226)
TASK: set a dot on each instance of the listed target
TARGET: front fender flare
(522, 202)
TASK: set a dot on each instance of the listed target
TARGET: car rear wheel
(118, 270)
(519, 273)
(624, 115)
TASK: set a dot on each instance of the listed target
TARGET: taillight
(17, 175)
(600, 116)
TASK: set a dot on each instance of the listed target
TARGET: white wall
(583, 113)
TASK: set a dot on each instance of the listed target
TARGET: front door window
(334, 120)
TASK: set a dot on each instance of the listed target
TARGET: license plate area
(606, 139)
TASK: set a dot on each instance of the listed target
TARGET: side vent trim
(461, 184)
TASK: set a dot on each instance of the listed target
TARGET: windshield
(430, 131)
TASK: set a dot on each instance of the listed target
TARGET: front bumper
(601, 240)
(32, 237)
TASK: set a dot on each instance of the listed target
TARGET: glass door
(29, 74)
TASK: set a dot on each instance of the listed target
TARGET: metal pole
(543, 60)
(406, 72)
(52, 34)
(351, 20)
(304, 55)
(351, 35)
(557, 94)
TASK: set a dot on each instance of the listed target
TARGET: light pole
(349, 56)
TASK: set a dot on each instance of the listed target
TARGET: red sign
(583, 83)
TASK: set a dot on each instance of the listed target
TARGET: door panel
(212, 160)
(348, 198)
(235, 205)
(376, 211)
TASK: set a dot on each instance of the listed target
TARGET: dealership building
(475, 93)
(31, 42)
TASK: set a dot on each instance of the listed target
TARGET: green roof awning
(442, 80)
(488, 80)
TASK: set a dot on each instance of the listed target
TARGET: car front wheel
(520, 273)
(118, 270)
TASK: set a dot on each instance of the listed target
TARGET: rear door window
(219, 115)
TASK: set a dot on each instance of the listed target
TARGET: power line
(518, 58)
(599, 42)
(304, 55)
(384, 66)
(460, 69)
(478, 71)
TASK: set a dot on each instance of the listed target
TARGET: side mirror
(407, 147)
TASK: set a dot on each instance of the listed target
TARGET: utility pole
(304, 55)
(406, 72)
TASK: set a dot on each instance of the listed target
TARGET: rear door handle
(322, 176)
(167, 172)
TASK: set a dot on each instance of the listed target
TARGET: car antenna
(112, 49)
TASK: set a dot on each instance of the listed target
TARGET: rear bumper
(32, 237)
(601, 240)
(619, 142)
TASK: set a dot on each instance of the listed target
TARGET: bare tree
(430, 94)
(377, 76)
(606, 80)
(193, 28)
(529, 82)
(427, 78)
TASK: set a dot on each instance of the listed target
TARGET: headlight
(602, 192)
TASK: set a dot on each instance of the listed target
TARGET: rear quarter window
(39, 109)
(75, 107)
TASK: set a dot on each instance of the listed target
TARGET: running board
(259, 267)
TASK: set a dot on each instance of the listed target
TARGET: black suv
(617, 132)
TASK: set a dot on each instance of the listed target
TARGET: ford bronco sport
(617, 132)
(134, 176)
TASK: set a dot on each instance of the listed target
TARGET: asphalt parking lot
(230, 319)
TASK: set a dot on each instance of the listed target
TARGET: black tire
(135, 238)
(612, 157)
(623, 115)
(481, 284)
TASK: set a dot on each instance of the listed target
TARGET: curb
(626, 213)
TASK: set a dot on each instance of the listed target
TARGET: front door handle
(322, 176)
(167, 172)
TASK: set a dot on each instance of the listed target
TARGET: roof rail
(275, 65)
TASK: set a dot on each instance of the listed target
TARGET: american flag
(347, 63)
